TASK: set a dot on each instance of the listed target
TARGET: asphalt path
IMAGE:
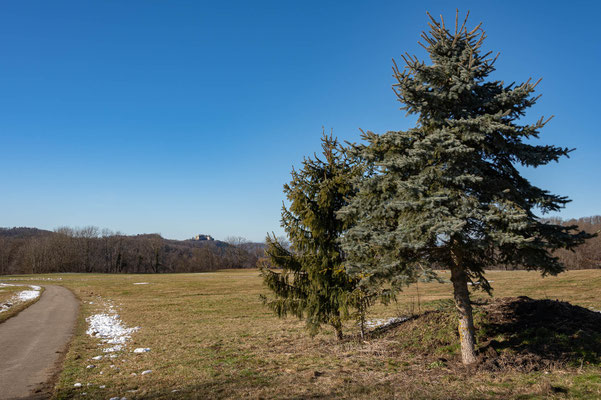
(33, 342)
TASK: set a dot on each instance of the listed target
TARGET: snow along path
(21, 297)
(31, 343)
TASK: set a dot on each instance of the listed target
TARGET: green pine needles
(447, 193)
(313, 283)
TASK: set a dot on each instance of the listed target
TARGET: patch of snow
(477, 283)
(91, 366)
(113, 349)
(146, 372)
(22, 296)
(101, 386)
(141, 283)
(142, 350)
(33, 279)
(77, 384)
(379, 323)
(26, 295)
(110, 329)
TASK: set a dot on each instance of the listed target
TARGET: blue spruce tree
(447, 192)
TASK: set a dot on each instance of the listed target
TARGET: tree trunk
(337, 324)
(466, 320)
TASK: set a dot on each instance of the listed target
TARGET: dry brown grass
(210, 337)
(6, 293)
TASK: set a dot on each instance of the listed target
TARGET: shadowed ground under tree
(531, 335)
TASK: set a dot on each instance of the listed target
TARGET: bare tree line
(587, 255)
(90, 249)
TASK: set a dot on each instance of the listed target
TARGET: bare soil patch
(530, 335)
(515, 334)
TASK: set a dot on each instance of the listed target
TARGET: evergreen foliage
(313, 283)
(447, 192)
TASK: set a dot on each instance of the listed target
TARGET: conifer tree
(313, 283)
(448, 192)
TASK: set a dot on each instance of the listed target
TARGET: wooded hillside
(89, 249)
(587, 255)
(31, 250)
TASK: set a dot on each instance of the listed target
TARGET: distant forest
(588, 255)
(89, 249)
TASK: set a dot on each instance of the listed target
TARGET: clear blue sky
(186, 117)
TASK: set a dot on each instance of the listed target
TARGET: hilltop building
(203, 237)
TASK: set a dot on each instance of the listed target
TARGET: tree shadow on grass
(530, 334)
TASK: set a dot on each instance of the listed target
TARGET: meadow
(210, 337)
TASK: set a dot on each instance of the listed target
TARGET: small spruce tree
(313, 283)
(447, 193)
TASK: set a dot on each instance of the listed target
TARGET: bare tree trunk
(466, 320)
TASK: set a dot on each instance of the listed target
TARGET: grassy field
(210, 337)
